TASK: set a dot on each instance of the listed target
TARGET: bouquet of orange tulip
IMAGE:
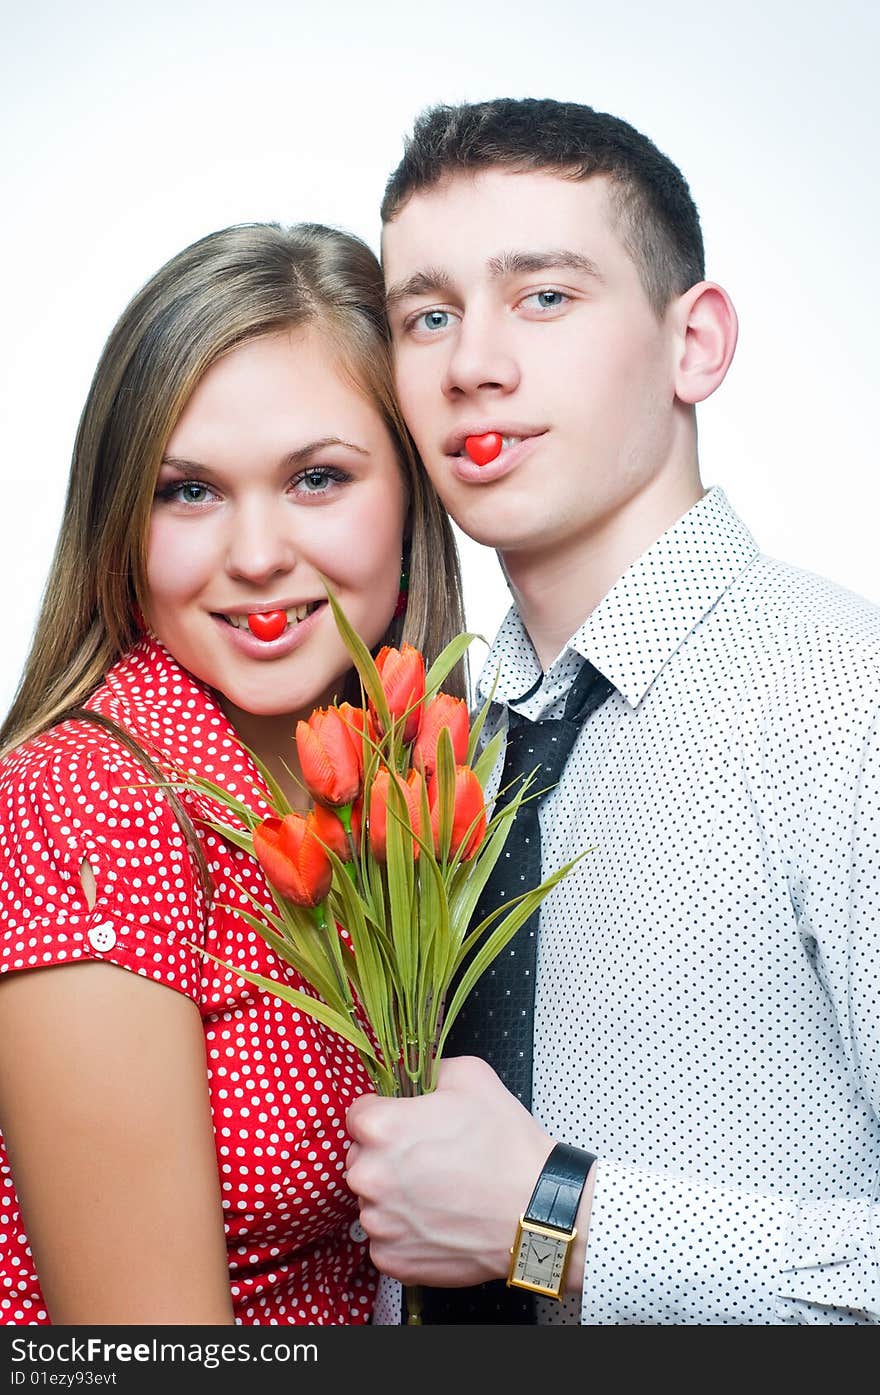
(396, 852)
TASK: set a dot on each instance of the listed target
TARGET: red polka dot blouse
(280, 1083)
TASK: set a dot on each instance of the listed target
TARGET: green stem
(333, 951)
(413, 1304)
(344, 815)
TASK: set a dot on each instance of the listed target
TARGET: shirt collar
(680, 577)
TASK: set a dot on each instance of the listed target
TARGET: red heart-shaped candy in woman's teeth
(482, 449)
(269, 624)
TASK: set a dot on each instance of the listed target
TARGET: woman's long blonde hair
(232, 286)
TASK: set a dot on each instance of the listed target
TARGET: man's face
(515, 308)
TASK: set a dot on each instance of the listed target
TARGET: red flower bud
(411, 789)
(442, 711)
(293, 859)
(403, 681)
(328, 826)
(469, 805)
(330, 757)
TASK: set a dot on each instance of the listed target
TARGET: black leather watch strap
(559, 1188)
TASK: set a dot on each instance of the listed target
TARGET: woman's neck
(272, 740)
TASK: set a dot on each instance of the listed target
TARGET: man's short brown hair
(655, 213)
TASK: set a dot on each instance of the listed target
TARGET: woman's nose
(261, 541)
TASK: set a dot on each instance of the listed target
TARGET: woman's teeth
(294, 615)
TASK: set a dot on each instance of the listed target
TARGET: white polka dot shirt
(709, 975)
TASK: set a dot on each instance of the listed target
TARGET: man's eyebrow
(557, 258)
(421, 283)
(436, 281)
(295, 457)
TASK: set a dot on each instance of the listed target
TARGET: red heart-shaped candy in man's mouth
(268, 625)
(482, 449)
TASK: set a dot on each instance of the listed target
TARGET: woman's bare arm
(105, 1111)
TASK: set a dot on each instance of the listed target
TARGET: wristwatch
(542, 1248)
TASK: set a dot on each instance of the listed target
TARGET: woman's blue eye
(193, 492)
(185, 491)
(315, 480)
(320, 479)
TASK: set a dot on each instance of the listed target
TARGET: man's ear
(705, 327)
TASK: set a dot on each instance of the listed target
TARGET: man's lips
(508, 459)
(511, 433)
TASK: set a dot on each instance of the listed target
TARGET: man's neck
(558, 588)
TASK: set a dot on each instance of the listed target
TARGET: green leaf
(463, 901)
(477, 727)
(312, 974)
(445, 662)
(223, 798)
(336, 1021)
(279, 799)
(495, 942)
(400, 878)
(445, 775)
(233, 835)
(486, 763)
(377, 986)
(361, 658)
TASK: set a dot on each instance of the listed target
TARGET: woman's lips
(291, 638)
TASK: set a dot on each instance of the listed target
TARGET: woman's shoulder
(76, 794)
(59, 759)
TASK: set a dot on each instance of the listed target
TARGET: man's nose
(261, 542)
(481, 357)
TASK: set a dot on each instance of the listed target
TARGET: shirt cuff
(387, 1309)
(662, 1249)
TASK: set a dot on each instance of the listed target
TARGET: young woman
(175, 1137)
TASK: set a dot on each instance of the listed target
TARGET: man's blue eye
(435, 319)
(548, 300)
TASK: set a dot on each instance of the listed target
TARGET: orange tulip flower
(442, 711)
(293, 859)
(330, 757)
(468, 806)
(403, 680)
(360, 723)
(411, 789)
(328, 826)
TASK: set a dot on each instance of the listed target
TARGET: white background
(132, 130)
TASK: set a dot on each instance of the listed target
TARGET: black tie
(497, 1020)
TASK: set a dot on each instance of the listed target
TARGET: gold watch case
(539, 1258)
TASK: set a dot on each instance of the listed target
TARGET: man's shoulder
(804, 654)
(813, 611)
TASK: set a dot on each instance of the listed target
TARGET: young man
(708, 977)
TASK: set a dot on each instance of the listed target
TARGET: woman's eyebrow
(294, 457)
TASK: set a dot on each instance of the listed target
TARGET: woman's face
(278, 469)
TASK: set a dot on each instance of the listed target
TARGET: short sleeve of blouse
(72, 796)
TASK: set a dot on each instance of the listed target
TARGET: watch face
(539, 1260)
